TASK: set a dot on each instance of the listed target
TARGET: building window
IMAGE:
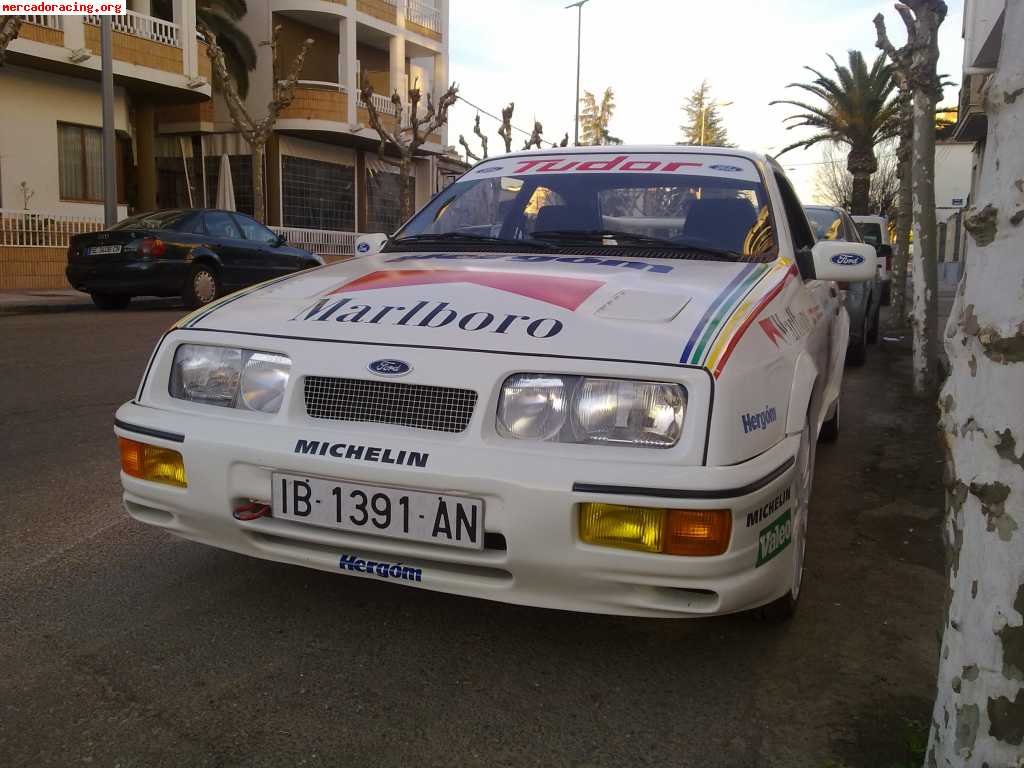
(384, 200)
(241, 180)
(318, 195)
(80, 162)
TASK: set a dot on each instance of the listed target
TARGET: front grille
(441, 409)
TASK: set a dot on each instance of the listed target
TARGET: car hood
(657, 310)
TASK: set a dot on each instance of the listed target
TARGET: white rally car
(590, 379)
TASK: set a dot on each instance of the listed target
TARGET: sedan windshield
(708, 206)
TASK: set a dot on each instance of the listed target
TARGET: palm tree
(859, 110)
(221, 17)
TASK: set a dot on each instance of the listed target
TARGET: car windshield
(706, 205)
(827, 224)
(871, 232)
(152, 220)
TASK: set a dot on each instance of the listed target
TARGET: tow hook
(251, 510)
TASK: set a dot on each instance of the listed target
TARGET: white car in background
(589, 379)
(875, 231)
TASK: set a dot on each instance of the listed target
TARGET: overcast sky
(653, 53)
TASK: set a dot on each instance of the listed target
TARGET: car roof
(659, 148)
(834, 208)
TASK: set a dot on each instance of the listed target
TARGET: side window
(220, 224)
(255, 231)
(798, 226)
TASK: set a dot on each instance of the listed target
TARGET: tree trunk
(901, 251)
(860, 198)
(979, 708)
(259, 199)
(408, 190)
(924, 317)
(9, 28)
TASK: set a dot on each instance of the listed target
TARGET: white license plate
(100, 250)
(437, 518)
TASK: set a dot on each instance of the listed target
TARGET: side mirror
(883, 251)
(281, 240)
(367, 245)
(842, 261)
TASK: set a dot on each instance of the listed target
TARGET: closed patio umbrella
(225, 187)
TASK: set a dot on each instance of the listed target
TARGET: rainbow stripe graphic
(731, 313)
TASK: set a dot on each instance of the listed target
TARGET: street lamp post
(579, 38)
(108, 142)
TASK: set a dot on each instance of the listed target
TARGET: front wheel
(857, 354)
(830, 429)
(785, 607)
(201, 286)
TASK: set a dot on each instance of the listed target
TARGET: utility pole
(109, 157)
(579, 39)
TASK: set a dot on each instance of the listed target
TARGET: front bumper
(530, 502)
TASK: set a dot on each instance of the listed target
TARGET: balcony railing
(146, 27)
(424, 14)
(381, 102)
(50, 22)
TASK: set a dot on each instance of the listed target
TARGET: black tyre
(886, 293)
(201, 286)
(830, 429)
(876, 321)
(110, 300)
(785, 607)
(857, 352)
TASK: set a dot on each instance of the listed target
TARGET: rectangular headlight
(581, 409)
(230, 377)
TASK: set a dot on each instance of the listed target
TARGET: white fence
(424, 14)
(50, 22)
(42, 230)
(324, 242)
(140, 25)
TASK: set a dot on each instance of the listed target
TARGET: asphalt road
(122, 646)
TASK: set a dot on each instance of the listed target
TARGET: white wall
(34, 102)
(953, 168)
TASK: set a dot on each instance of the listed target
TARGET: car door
(224, 237)
(268, 258)
(826, 337)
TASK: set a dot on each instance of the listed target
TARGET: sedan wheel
(784, 607)
(202, 286)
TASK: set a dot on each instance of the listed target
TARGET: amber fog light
(692, 532)
(151, 462)
(697, 532)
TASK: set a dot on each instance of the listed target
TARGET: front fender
(805, 374)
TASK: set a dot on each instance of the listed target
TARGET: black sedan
(197, 254)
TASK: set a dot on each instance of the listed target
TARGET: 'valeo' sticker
(775, 538)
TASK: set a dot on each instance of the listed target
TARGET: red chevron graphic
(567, 292)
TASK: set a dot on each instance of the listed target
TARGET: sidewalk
(22, 302)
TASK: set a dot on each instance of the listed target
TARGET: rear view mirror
(367, 245)
(883, 251)
(842, 261)
(281, 240)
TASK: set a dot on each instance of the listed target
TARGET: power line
(495, 117)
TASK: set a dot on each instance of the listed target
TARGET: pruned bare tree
(256, 132)
(916, 62)
(9, 28)
(535, 136)
(478, 132)
(505, 131)
(904, 214)
(410, 130)
(470, 156)
(978, 718)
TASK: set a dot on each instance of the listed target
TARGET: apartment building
(323, 171)
(50, 138)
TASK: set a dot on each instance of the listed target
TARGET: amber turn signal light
(692, 532)
(151, 462)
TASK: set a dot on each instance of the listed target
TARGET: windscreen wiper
(634, 238)
(468, 238)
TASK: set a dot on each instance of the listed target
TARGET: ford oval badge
(847, 259)
(389, 367)
(363, 247)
